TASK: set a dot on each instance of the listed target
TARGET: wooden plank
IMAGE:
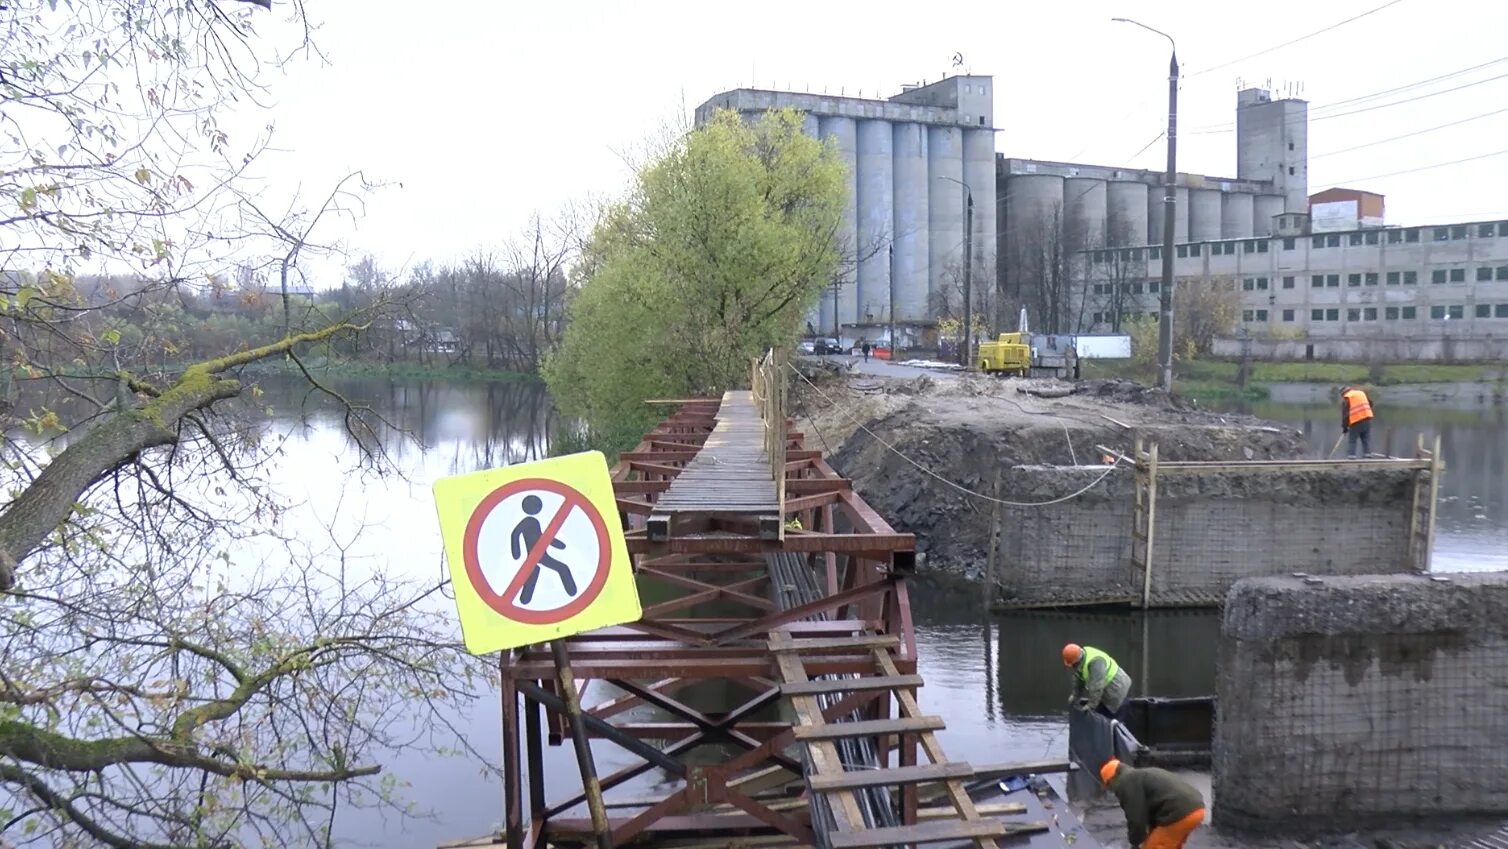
(937, 831)
(847, 685)
(824, 782)
(862, 641)
(868, 728)
(989, 809)
(824, 755)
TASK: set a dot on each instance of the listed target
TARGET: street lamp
(1169, 204)
(968, 272)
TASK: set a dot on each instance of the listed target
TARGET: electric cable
(1292, 42)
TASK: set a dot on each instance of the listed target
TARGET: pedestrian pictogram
(535, 552)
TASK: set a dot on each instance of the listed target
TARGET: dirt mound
(924, 451)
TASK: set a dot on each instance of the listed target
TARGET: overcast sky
(487, 111)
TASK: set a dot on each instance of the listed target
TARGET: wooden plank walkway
(731, 472)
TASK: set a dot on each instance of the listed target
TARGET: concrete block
(1346, 702)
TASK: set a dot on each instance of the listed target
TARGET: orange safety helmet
(1107, 771)
(1072, 654)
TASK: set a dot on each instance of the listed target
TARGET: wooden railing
(769, 384)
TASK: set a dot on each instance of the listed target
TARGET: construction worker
(1356, 420)
(1161, 809)
(1099, 683)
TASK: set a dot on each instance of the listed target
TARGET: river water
(997, 681)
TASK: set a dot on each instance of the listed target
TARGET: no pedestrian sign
(535, 552)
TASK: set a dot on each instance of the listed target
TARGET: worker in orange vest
(1161, 809)
(1356, 420)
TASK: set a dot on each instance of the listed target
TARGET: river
(996, 681)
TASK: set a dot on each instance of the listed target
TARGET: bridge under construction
(765, 574)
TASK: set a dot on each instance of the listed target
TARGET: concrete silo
(875, 200)
(1128, 209)
(1155, 212)
(843, 133)
(821, 316)
(1267, 208)
(979, 173)
(944, 207)
(1085, 213)
(1204, 215)
(1236, 212)
(811, 125)
(1031, 201)
(912, 222)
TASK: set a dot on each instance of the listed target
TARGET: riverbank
(1219, 381)
(925, 452)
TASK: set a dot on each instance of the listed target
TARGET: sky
(487, 112)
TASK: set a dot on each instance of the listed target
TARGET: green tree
(723, 244)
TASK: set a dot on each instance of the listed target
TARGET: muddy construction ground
(917, 448)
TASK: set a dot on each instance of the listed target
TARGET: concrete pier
(1346, 702)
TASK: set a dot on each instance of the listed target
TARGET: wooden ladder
(827, 774)
(1143, 521)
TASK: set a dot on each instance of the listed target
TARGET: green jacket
(1151, 797)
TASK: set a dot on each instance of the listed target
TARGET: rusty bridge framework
(773, 576)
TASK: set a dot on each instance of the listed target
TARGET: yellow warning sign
(536, 552)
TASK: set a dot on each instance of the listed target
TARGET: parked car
(828, 346)
(806, 346)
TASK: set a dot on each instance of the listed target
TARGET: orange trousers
(1173, 835)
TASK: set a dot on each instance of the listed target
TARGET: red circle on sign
(505, 606)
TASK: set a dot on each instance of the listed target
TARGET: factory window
(1411, 235)
(1484, 310)
(1355, 238)
(1353, 279)
(1287, 282)
(1288, 315)
(1136, 288)
(1441, 234)
(1249, 247)
(1290, 170)
(1395, 236)
(1332, 280)
(1248, 284)
(1155, 253)
(1458, 275)
(1393, 278)
(981, 120)
(1391, 313)
(1318, 241)
(1183, 251)
(1317, 281)
(1154, 286)
(1408, 313)
(1483, 273)
(1410, 278)
(1125, 256)
(1486, 231)
(1372, 237)
(1219, 248)
(1456, 311)
(1458, 231)
(1437, 312)
(1246, 315)
(1437, 276)
(1262, 246)
(1099, 288)
(1500, 311)
(1353, 315)
(1332, 315)
(1262, 315)
(1288, 244)
(1371, 279)
(1503, 228)
(1332, 241)
(1290, 145)
(1316, 315)
(1261, 284)
(1503, 272)
(1136, 255)
(1369, 314)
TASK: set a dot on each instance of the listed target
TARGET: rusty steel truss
(710, 617)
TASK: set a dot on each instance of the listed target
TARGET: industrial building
(914, 161)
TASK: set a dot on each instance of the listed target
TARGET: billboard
(1333, 216)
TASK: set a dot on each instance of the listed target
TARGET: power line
(1409, 135)
(1422, 168)
(1312, 118)
(1296, 40)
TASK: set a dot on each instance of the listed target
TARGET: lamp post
(892, 300)
(966, 351)
(1169, 204)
